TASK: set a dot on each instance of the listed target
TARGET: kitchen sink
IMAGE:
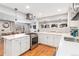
(71, 39)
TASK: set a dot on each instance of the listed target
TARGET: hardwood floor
(1, 47)
(41, 50)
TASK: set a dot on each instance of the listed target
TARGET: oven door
(34, 42)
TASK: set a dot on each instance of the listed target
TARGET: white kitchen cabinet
(7, 47)
(46, 39)
(49, 39)
(56, 40)
(42, 38)
(16, 46)
(24, 44)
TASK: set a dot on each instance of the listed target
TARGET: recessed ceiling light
(58, 10)
(27, 7)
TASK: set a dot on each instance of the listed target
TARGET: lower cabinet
(25, 44)
(7, 48)
(57, 39)
(49, 39)
(16, 46)
(42, 38)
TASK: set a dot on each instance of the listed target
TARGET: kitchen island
(16, 44)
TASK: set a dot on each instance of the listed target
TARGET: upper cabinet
(76, 17)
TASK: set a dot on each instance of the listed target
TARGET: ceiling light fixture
(27, 7)
(15, 13)
(59, 10)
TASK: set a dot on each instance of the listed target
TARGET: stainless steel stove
(33, 40)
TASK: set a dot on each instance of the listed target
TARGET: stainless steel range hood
(76, 17)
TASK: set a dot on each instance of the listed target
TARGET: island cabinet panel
(7, 47)
(25, 44)
(16, 46)
(49, 39)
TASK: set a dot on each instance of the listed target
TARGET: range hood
(76, 17)
(76, 9)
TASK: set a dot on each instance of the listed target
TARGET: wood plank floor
(41, 50)
(1, 47)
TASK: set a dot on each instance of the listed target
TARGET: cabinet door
(16, 47)
(57, 40)
(44, 39)
(7, 47)
(50, 40)
(28, 43)
(25, 44)
(41, 38)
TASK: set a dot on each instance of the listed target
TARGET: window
(63, 25)
(34, 26)
(54, 25)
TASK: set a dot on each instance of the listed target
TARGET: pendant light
(16, 14)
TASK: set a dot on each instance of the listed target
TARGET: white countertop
(14, 36)
(67, 48)
(61, 34)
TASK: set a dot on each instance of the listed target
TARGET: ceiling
(40, 9)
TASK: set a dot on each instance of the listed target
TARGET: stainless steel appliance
(33, 40)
